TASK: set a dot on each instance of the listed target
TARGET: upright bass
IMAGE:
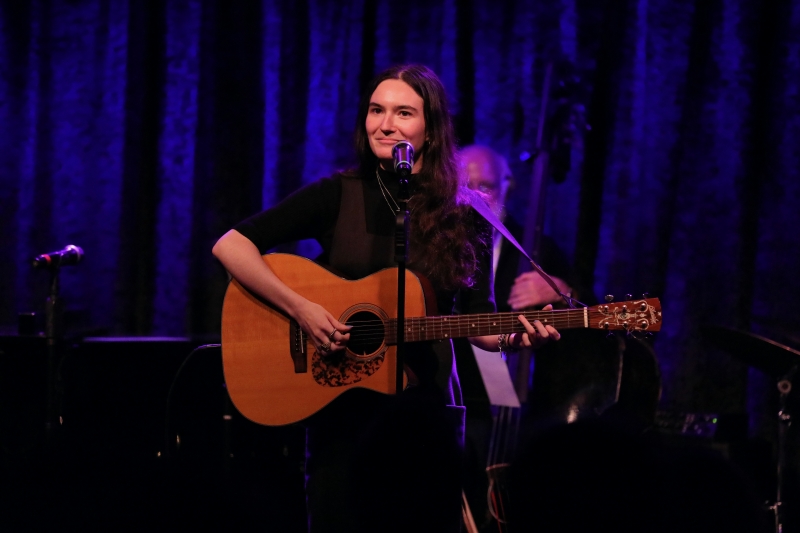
(561, 118)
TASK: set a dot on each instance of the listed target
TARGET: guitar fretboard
(456, 326)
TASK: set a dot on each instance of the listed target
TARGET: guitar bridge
(298, 348)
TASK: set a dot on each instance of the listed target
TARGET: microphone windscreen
(403, 154)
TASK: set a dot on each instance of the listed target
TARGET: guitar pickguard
(338, 370)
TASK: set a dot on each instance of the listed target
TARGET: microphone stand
(784, 421)
(54, 333)
(401, 257)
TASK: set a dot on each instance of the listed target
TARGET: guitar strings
(421, 327)
(455, 326)
(544, 316)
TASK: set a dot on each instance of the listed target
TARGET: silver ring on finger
(325, 347)
(332, 334)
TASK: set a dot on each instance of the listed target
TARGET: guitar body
(272, 372)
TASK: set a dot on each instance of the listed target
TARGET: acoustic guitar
(275, 376)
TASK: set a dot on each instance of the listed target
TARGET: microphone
(71, 255)
(403, 154)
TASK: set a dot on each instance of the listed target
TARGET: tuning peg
(645, 295)
(609, 298)
(629, 296)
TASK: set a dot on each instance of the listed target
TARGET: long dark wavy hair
(445, 240)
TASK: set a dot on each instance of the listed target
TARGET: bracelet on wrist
(504, 342)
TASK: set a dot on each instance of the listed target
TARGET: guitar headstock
(643, 315)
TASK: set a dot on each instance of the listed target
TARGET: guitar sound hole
(367, 335)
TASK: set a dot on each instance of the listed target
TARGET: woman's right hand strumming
(329, 335)
(243, 261)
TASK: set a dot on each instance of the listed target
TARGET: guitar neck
(640, 315)
(456, 326)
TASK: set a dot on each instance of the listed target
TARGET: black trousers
(377, 463)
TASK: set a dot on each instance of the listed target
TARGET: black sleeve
(308, 213)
